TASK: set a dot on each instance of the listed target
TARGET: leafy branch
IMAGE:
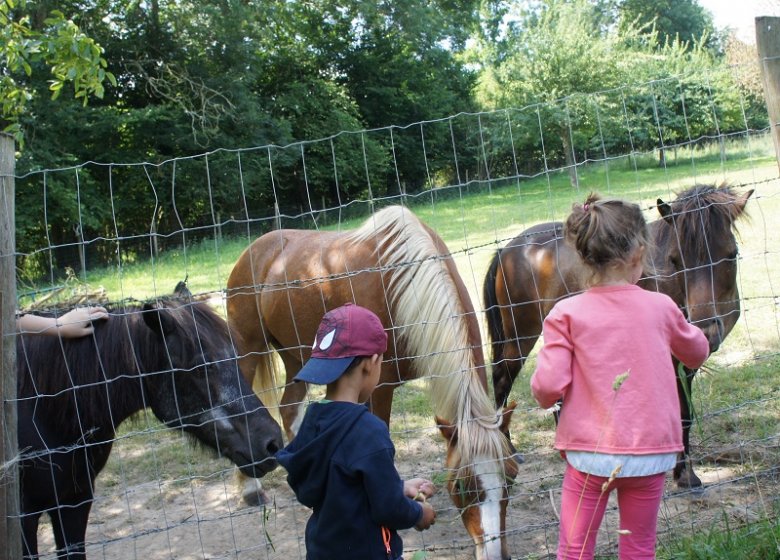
(71, 56)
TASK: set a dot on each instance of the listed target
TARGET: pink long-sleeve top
(592, 339)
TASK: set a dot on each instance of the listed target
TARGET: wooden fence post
(768, 45)
(9, 481)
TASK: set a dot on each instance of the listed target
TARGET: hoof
(688, 480)
(253, 493)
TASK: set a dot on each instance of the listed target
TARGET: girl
(607, 355)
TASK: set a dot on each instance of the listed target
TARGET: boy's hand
(428, 517)
(419, 489)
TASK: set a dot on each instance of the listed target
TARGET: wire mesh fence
(132, 231)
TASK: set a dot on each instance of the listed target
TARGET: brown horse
(694, 261)
(398, 267)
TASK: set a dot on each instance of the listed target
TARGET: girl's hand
(78, 322)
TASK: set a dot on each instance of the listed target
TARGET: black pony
(173, 355)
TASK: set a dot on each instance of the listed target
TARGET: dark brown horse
(173, 355)
(398, 267)
(694, 261)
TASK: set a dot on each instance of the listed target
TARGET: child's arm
(386, 494)
(73, 324)
(553, 363)
(688, 342)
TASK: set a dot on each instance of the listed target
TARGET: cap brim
(322, 371)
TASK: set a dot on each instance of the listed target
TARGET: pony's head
(200, 389)
(696, 256)
(479, 486)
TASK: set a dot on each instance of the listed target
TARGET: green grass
(725, 541)
(759, 540)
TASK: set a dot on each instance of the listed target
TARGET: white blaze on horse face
(221, 420)
(489, 474)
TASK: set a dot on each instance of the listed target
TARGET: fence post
(768, 45)
(9, 481)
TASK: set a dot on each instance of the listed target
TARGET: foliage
(745, 70)
(554, 56)
(603, 89)
(193, 78)
(674, 20)
(69, 54)
(303, 106)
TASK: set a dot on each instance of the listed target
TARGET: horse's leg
(291, 409)
(70, 529)
(293, 398)
(522, 330)
(505, 371)
(381, 402)
(683, 470)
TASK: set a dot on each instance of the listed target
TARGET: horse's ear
(447, 430)
(181, 290)
(161, 323)
(665, 210)
(742, 201)
(506, 416)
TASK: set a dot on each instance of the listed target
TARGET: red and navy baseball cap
(344, 334)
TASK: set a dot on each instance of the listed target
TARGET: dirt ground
(201, 517)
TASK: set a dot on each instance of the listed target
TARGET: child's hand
(428, 517)
(78, 322)
(419, 489)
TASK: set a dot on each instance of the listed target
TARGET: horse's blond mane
(430, 322)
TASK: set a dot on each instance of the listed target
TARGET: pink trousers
(582, 509)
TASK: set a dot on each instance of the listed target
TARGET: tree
(683, 20)
(745, 69)
(553, 51)
(59, 45)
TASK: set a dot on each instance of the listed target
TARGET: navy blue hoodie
(340, 464)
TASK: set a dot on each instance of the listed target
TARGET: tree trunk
(571, 163)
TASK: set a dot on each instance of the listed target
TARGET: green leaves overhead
(71, 57)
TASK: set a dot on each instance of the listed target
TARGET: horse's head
(695, 257)
(200, 389)
(479, 487)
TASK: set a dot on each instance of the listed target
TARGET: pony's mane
(702, 212)
(430, 321)
(84, 370)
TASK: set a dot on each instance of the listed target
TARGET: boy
(341, 462)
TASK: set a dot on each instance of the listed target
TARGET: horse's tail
(265, 384)
(495, 328)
